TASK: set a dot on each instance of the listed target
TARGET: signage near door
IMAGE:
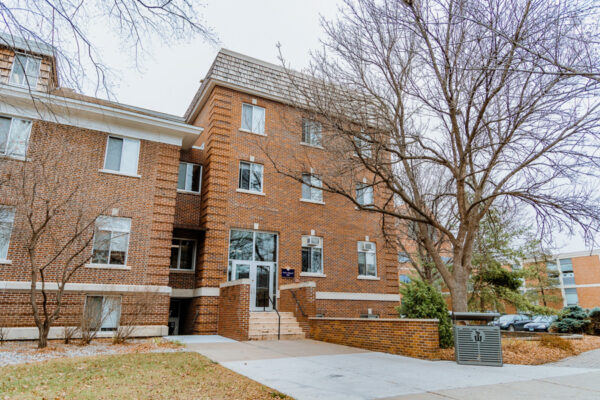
(287, 273)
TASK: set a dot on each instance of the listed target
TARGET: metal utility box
(478, 345)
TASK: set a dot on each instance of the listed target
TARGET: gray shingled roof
(243, 72)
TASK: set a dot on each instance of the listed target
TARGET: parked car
(541, 323)
(511, 322)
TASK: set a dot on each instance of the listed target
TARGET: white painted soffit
(145, 125)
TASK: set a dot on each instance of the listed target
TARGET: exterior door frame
(252, 275)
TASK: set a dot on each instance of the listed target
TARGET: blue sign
(287, 273)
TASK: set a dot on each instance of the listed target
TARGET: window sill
(5, 262)
(368, 278)
(250, 192)
(188, 192)
(314, 146)
(108, 171)
(108, 266)
(16, 158)
(183, 271)
(254, 133)
(313, 274)
(312, 201)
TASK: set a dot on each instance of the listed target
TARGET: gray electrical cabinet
(478, 345)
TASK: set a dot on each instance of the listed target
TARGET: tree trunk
(43, 330)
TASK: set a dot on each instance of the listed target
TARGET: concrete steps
(263, 326)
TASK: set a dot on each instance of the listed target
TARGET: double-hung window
(14, 136)
(25, 71)
(311, 188)
(253, 119)
(7, 218)
(367, 260)
(111, 241)
(102, 312)
(364, 194)
(190, 176)
(312, 254)
(122, 155)
(363, 147)
(183, 254)
(571, 296)
(311, 132)
(251, 177)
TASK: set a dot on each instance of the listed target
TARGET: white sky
(168, 76)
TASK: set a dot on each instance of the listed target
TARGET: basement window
(102, 312)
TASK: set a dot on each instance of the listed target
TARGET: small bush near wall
(420, 300)
(594, 316)
(572, 319)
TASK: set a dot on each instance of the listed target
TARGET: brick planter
(299, 298)
(234, 309)
(408, 337)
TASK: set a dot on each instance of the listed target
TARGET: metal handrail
(298, 303)
(275, 309)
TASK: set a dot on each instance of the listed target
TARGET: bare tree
(133, 315)
(450, 107)
(56, 205)
(66, 27)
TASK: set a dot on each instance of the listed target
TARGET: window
(251, 177)
(566, 265)
(122, 155)
(367, 264)
(311, 132)
(312, 254)
(253, 119)
(250, 246)
(111, 240)
(14, 136)
(190, 177)
(183, 254)
(25, 71)
(310, 187)
(568, 278)
(404, 278)
(571, 296)
(364, 194)
(363, 147)
(103, 312)
(7, 218)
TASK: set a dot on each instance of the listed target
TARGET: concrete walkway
(307, 369)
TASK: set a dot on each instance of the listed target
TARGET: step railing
(265, 305)
(298, 303)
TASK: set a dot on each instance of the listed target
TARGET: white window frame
(262, 177)
(566, 296)
(103, 319)
(108, 264)
(7, 215)
(307, 125)
(314, 188)
(189, 165)
(37, 76)
(179, 255)
(364, 188)
(251, 130)
(321, 272)
(365, 148)
(10, 129)
(359, 246)
(120, 171)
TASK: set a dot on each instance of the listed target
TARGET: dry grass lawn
(129, 376)
(530, 352)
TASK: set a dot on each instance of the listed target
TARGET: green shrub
(594, 317)
(572, 319)
(420, 300)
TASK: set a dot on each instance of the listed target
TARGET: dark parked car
(511, 322)
(541, 323)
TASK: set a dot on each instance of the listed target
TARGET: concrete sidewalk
(307, 369)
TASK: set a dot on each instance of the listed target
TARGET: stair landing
(263, 326)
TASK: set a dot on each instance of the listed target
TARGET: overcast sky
(169, 75)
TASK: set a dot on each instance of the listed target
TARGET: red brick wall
(407, 337)
(203, 315)
(303, 305)
(234, 310)
(354, 308)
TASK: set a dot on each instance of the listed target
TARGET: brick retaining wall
(234, 309)
(299, 298)
(408, 337)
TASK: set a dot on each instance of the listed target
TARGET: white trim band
(58, 332)
(198, 292)
(86, 287)
(357, 296)
(298, 285)
(235, 283)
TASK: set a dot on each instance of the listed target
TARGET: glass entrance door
(262, 279)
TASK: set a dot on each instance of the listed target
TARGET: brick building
(206, 211)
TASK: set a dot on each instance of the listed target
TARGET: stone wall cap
(235, 283)
(298, 285)
(376, 319)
